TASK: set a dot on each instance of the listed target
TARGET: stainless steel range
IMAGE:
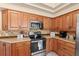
(38, 43)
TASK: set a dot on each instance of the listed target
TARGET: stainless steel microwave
(36, 25)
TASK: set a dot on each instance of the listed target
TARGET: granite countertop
(59, 38)
(14, 40)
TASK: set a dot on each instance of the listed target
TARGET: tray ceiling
(48, 9)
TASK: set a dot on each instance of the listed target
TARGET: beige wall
(0, 20)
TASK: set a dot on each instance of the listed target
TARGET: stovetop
(37, 39)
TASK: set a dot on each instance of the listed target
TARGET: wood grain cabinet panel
(55, 45)
(40, 18)
(52, 24)
(25, 21)
(65, 48)
(47, 23)
(2, 49)
(49, 45)
(15, 49)
(13, 19)
(33, 17)
(66, 22)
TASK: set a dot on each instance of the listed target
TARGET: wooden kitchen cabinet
(52, 25)
(55, 24)
(72, 21)
(33, 17)
(15, 49)
(65, 48)
(25, 21)
(47, 45)
(40, 18)
(51, 45)
(60, 24)
(11, 19)
(55, 45)
(65, 23)
(47, 23)
(2, 49)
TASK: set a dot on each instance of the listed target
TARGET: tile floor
(44, 54)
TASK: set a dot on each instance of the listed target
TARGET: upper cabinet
(25, 21)
(15, 20)
(72, 21)
(56, 24)
(40, 18)
(66, 22)
(33, 17)
(47, 23)
(11, 20)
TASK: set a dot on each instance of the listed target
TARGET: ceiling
(45, 9)
(49, 7)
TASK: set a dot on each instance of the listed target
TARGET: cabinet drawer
(70, 45)
(69, 53)
(61, 42)
(22, 44)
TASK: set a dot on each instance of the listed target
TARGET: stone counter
(14, 40)
(48, 37)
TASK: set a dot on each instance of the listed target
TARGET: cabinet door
(60, 24)
(47, 45)
(65, 24)
(21, 51)
(2, 49)
(55, 45)
(40, 18)
(47, 23)
(4, 20)
(69, 18)
(52, 24)
(55, 24)
(24, 21)
(14, 19)
(33, 17)
(74, 21)
(51, 44)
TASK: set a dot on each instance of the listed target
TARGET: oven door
(34, 47)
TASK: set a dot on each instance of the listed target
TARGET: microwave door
(35, 25)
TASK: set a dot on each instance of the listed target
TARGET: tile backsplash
(15, 33)
(8, 33)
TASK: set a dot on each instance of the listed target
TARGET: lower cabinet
(2, 49)
(61, 47)
(66, 48)
(15, 49)
(51, 45)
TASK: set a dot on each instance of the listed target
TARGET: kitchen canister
(20, 36)
(52, 34)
